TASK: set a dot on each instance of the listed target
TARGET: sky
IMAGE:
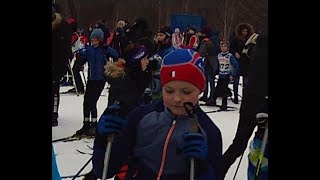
(70, 161)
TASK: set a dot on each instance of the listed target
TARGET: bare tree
(159, 15)
(222, 14)
(231, 14)
(186, 7)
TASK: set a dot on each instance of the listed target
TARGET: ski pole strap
(189, 108)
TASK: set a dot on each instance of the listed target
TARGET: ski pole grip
(261, 117)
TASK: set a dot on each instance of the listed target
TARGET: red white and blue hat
(185, 65)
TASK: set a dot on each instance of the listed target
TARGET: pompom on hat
(185, 65)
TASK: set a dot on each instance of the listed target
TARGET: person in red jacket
(193, 42)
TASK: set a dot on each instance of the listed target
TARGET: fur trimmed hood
(114, 69)
(242, 26)
(57, 20)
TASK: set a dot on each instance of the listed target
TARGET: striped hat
(185, 65)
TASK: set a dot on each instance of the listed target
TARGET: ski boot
(211, 102)
(83, 131)
(92, 130)
(224, 104)
(235, 100)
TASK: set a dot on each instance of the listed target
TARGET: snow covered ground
(70, 161)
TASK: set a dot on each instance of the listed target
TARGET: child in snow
(96, 55)
(158, 140)
(228, 68)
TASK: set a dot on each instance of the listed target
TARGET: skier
(61, 52)
(228, 68)
(156, 139)
(96, 55)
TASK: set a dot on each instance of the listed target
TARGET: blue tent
(181, 21)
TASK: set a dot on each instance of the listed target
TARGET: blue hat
(96, 33)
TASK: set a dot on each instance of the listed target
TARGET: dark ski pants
(236, 84)
(91, 97)
(77, 67)
(211, 83)
(222, 90)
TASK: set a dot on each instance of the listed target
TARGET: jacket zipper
(164, 151)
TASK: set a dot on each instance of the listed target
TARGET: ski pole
(235, 174)
(261, 118)
(110, 138)
(74, 82)
(84, 166)
(84, 77)
(107, 156)
(193, 129)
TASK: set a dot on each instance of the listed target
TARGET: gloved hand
(194, 146)
(110, 122)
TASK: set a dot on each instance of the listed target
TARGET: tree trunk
(159, 17)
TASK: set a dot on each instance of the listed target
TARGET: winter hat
(96, 33)
(176, 30)
(185, 65)
(137, 53)
(71, 20)
(166, 30)
(121, 24)
(224, 42)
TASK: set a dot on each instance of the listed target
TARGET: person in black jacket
(128, 79)
(242, 33)
(61, 52)
(138, 30)
(254, 101)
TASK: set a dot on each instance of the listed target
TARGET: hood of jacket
(115, 69)
(242, 26)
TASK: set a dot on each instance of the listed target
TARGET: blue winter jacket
(97, 57)
(141, 144)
